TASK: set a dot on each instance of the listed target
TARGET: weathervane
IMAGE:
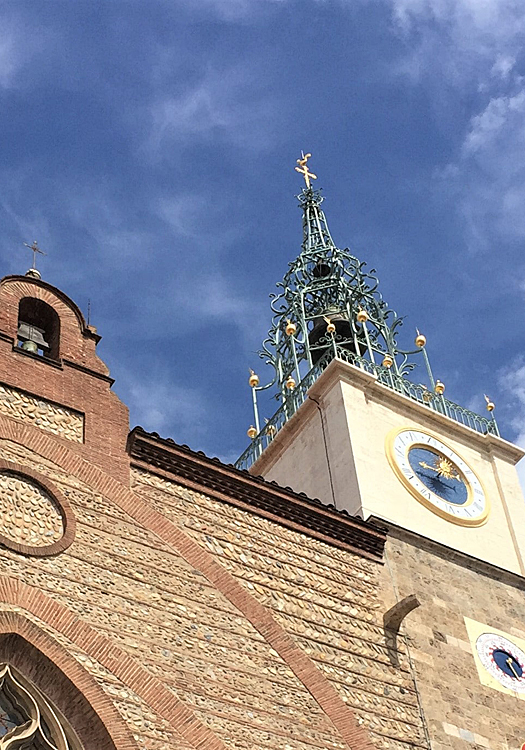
(35, 249)
(303, 169)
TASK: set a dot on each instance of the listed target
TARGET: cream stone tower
(357, 430)
(363, 428)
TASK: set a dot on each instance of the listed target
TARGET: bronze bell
(321, 270)
(338, 326)
(32, 338)
(30, 346)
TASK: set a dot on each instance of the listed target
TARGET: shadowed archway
(67, 686)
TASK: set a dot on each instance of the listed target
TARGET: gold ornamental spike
(291, 328)
(439, 388)
(270, 429)
(253, 380)
(420, 339)
(490, 404)
(330, 327)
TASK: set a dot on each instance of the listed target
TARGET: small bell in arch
(32, 338)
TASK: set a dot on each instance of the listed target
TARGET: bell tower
(51, 380)
(363, 424)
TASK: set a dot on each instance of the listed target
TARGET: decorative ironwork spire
(328, 307)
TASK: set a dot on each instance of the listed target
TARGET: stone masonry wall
(181, 665)
(324, 597)
(462, 714)
(43, 414)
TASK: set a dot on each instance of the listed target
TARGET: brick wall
(75, 386)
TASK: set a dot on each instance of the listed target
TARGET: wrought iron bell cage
(328, 306)
(334, 304)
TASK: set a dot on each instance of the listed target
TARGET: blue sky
(149, 146)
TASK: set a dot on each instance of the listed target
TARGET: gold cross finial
(303, 169)
(35, 249)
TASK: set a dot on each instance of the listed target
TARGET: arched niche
(38, 327)
(44, 702)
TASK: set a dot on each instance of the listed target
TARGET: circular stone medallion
(29, 514)
(33, 520)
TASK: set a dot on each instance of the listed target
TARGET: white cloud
(22, 41)
(9, 57)
(470, 19)
(165, 406)
(501, 115)
(512, 383)
(224, 105)
(489, 174)
(503, 66)
(472, 51)
(456, 41)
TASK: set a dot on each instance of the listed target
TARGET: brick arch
(95, 645)
(341, 715)
(68, 686)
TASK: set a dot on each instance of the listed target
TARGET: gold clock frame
(480, 520)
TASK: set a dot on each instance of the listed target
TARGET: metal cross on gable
(35, 249)
(303, 169)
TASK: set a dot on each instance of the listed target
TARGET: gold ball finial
(330, 327)
(439, 388)
(270, 429)
(388, 361)
(420, 340)
(290, 383)
(251, 432)
(490, 404)
(291, 328)
(362, 316)
(253, 380)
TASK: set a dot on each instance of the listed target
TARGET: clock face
(503, 660)
(438, 477)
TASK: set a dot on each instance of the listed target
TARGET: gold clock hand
(443, 469)
(448, 474)
(511, 667)
(427, 466)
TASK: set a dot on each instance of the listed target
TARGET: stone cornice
(228, 484)
(451, 555)
(339, 371)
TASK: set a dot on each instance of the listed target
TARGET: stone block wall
(460, 711)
